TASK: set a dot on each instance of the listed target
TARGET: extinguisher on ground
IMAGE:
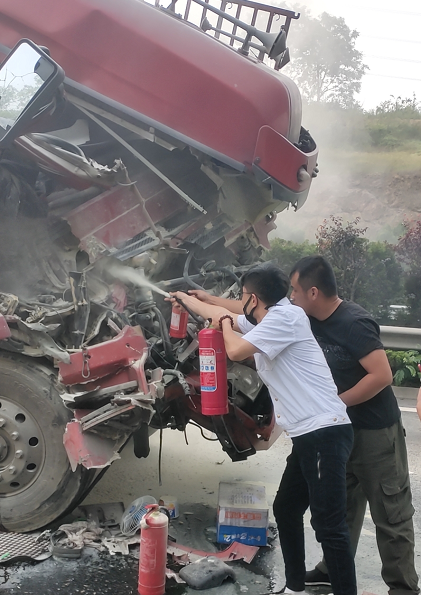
(153, 551)
(213, 372)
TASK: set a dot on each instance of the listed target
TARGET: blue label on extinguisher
(207, 359)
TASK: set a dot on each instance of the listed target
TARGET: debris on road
(243, 513)
(104, 515)
(22, 546)
(206, 573)
(69, 540)
(130, 521)
(236, 551)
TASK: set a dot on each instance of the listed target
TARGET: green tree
(381, 284)
(287, 253)
(408, 250)
(324, 61)
(346, 249)
(405, 107)
(366, 272)
(13, 100)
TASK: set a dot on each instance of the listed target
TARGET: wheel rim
(22, 448)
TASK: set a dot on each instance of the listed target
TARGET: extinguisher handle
(165, 510)
(201, 321)
(150, 509)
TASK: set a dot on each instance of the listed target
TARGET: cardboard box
(243, 513)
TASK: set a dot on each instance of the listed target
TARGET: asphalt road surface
(192, 474)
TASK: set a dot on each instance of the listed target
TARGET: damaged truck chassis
(138, 146)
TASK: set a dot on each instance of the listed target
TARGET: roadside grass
(375, 162)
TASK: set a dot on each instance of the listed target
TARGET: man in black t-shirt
(377, 469)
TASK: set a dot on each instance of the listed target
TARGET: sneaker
(317, 577)
(291, 592)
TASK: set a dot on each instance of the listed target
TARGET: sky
(389, 39)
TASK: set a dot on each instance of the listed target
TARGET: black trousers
(315, 476)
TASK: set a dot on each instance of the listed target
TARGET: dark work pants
(315, 476)
(377, 472)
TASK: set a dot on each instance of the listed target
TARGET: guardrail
(400, 337)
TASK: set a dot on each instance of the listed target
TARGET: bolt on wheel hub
(22, 448)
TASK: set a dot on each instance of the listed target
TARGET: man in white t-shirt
(306, 405)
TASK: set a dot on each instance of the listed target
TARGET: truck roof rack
(223, 18)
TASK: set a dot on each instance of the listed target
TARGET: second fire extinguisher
(153, 552)
(213, 372)
(178, 324)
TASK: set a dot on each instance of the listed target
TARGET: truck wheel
(37, 484)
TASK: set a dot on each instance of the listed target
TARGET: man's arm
(379, 375)
(419, 404)
(207, 310)
(236, 347)
(213, 300)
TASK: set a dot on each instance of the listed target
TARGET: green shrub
(404, 366)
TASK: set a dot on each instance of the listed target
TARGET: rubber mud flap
(141, 441)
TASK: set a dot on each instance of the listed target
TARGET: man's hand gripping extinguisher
(213, 360)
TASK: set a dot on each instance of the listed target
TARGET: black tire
(37, 484)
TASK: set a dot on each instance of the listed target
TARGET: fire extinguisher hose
(201, 321)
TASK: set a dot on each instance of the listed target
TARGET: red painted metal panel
(282, 160)
(88, 449)
(160, 66)
(105, 358)
(4, 328)
(236, 551)
(116, 216)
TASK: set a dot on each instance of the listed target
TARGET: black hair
(316, 271)
(267, 281)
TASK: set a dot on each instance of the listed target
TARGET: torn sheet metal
(4, 328)
(104, 515)
(119, 544)
(87, 449)
(97, 390)
(172, 574)
(77, 168)
(36, 336)
(48, 316)
(8, 303)
(98, 450)
(236, 551)
(120, 404)
(97, 361)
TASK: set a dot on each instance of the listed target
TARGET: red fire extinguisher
(178, 324)
(153, 552)
(213, 372)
